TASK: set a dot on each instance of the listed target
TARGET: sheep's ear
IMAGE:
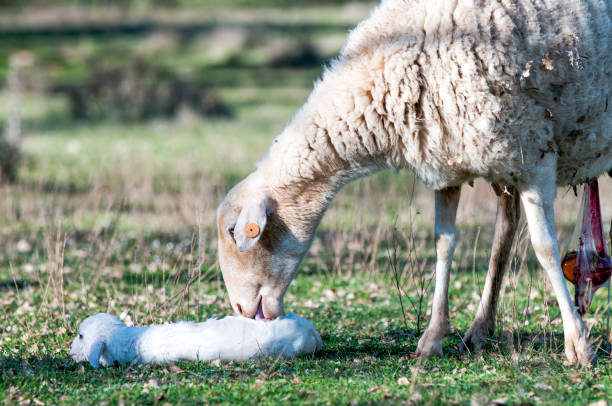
(251, 221)
(95, 352)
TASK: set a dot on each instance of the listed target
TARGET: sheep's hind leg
(446, 202)
(506, 222)
(538, 201)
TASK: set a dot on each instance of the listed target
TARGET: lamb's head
(261, 245)
(92, 337)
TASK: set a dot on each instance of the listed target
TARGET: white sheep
(513, 91)
(104, 340)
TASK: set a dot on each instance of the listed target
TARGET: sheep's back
(498, 86)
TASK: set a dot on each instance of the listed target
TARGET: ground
(120, 217)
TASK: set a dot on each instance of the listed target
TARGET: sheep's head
(91, 338)
(259, 249)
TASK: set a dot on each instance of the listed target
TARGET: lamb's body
(514, 91)
(228, 339)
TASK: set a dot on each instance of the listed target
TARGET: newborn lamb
(104, 340)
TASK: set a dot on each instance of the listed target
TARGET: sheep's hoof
(430, 344)
(476, 336)
(578, 350)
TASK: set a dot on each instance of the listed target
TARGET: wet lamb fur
(513, 91)
(104, 340)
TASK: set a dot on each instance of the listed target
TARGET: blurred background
(154, 80)
(124, 123)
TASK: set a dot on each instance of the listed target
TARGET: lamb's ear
(251, 221)
(95, 352)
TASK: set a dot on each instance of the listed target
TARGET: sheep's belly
(587, 156)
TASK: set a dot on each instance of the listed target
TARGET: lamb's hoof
(578, 350)
(476, 337)
(430, 345)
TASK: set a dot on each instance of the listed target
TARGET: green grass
(119, 217)
(366, 354)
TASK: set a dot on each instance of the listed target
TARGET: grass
(119, 217)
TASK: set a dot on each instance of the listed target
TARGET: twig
(394, 268)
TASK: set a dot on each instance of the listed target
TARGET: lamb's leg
(508, 215)
(446, 202)
(538, 204)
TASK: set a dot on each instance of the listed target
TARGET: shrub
(137, 90)
(9, 160)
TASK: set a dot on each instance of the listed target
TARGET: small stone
(23, 246)
(153, 384)
(403, 381)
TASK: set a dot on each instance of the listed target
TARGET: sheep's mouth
(259, 315)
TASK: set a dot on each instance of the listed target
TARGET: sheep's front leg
(506, 222)
(538, 204)
(446, 202)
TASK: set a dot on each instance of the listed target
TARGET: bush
(10, 158)
(137, 90)
(303, 54)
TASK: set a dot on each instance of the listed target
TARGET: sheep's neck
(306, 168)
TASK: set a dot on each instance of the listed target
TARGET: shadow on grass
(20, 370)
(533, 349)
(18, 367)
(398, 343)
(19, 284)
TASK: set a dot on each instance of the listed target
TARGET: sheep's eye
(231, 232)
(81, 336)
